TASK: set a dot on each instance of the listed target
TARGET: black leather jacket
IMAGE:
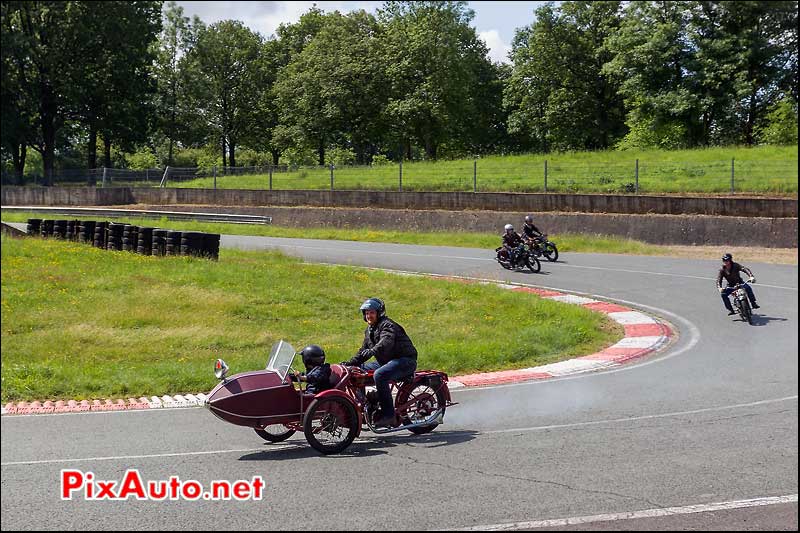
(530, 231)
(511, 240)
(732, 276)
(386, 340)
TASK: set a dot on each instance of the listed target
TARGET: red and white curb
(644, 334)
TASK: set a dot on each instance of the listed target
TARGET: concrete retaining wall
(655, 229)
(449, 201)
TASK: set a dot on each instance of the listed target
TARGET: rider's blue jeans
(727, 292)
(391, 371)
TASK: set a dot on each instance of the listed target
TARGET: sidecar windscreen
(280, 358)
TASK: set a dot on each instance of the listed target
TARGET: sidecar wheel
(425, 402)
(331, 424)
(274, 433)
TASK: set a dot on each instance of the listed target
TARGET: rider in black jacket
(511, 240)
(395, 354)
(731, 272)
(529, 231)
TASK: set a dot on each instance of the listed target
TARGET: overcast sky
(495, 22)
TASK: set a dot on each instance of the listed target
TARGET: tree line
(141, 82)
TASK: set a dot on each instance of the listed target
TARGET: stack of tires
(117, 236)
(47, 228)
(100, 234)
(130, 238)
(115, 232)
(34, 226)
(211, 246)
(144, 243)
(60, 229)
(173, 242)
(86, 231)
(192, 243)
(159, 242)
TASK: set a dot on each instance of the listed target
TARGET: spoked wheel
(330, 424)
(533, 264)
(424, 401)
(550, 252)
(274, 433)
(747, 312)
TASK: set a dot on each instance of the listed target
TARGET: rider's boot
(756, 306)
(731, 312)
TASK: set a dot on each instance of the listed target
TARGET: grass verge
(79, 322)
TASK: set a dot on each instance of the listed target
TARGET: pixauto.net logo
(75, 483)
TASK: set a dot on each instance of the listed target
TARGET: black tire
(273, 433)
(330, 415)
(429, 401)
(747, 312)
(550, 252)
(533, 264)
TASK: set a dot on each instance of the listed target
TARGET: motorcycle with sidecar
(276, 407)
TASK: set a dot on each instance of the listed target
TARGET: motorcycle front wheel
(551, 252)
(533, 264)
(747, 312)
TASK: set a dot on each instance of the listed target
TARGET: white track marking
(632, 515)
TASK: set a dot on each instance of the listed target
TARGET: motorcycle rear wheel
(425, 402)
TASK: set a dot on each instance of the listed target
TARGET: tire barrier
(159, 242)
(34, 226)
(100, 234)
(130, 238)
(115, 231)
(117, 236)
(211, 245)
(47, 228)
(144, 243)
(60, 229)
(173, 242)
(86, 231)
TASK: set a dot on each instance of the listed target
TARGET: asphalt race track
(700, 436)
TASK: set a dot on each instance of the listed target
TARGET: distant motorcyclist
(731, 272)
(529, 230)
(318, 372)
(511, 241)
(395, 355)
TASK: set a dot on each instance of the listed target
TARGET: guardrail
(170, 215)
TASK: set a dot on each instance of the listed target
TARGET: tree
(558, 93)
(433, 60)
(223, 62)
(330, 93)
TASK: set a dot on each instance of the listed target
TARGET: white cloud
(498, 50)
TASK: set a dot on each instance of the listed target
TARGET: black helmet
(374, 304)
(313, 355)
(727, 257)
(529, 219)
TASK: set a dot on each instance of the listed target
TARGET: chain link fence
(634, 177)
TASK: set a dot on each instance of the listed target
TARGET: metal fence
(634, 177)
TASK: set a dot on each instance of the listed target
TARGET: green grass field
(768, 170)
(80, 322)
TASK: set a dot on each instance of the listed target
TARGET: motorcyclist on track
(395, 355)
(529, 231)
(511, 240)
(318, 372)
(732, 273)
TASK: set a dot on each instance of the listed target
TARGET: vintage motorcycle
(269, 402)
(540, 246)
(742, 303)
(523, 258)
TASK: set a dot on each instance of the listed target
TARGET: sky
(495, 22)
